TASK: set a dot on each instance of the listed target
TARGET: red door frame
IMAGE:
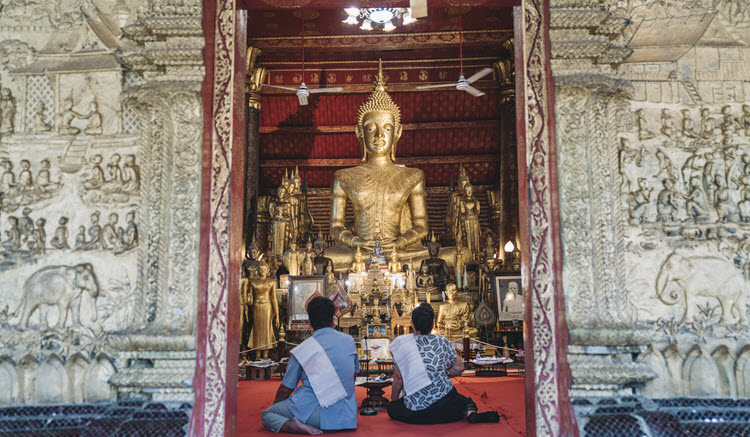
(546, 334)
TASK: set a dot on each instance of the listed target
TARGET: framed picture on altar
(377, 331)
(301, 290)
(509, 295)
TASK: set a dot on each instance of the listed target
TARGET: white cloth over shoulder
(323, 378)
(406, 355)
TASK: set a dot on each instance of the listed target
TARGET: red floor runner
(504, 395)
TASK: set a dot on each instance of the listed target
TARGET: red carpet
(504, 395)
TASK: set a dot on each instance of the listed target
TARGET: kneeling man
(327, 365)
(425, 363)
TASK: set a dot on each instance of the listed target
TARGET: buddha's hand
(276, 322)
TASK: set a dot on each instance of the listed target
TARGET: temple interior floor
(502, 394)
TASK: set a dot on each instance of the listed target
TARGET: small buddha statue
(426, 285)
(411, 277)
(454, 315)
(250, 265)
(321, 262)
(379, 191)
(261, 295)
(437, 267)
(394, 266)
(330, 274)
(358, 266)
(307, 264)
(292, 259)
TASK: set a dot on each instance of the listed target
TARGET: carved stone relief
(93, 272)
(655, 240)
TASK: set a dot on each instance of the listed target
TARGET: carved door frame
(548, 406)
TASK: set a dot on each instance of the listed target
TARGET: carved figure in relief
(683, 279)
(13, 242)
(688, 126)
(710, 170)
(129, 239)
(26, 223)
(8, 179)
(57, 286)
(95, 233)
(696, 202)
(708, 124)
(109, 232)
(729, 124)
(25, 180)
(744, 207)
(666, 168)
(629, 158)
(67, 117)
(60, 239)
(43, 180)
(131, 176)
(666, 202)
(39, 120)
(693, 166)
(38, 240)
(639, 203)
(724, 206)
(80, 243)
(7, 111)
(94, 126)
(643, 132)
(114, 182)
(745, 120)
(668, 127)
(96, 179)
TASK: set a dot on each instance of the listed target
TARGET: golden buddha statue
(394, 266)
(261, 295)
(426, 285)
(454, 315)
(358, 266)
(388, 200)
(470, 220)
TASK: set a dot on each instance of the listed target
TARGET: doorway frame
(548, 407)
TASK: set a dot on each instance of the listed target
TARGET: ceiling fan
(463, 84)
(303, 92)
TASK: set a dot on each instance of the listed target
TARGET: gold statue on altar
(394, 266)
(358, 266)
(454, 315)
(261, 295)
(388, 200)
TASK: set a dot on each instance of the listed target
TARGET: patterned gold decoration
(379, 100)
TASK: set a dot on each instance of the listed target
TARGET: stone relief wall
(655, 229)
(99, 202)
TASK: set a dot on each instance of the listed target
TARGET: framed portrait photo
(509, 295)
(301, 290)
(377, 331)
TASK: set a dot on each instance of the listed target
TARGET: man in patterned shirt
(428, 362)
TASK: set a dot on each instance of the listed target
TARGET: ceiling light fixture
(382, 18)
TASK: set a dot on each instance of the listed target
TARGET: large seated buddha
(388, 200)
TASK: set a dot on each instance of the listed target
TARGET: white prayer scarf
(323, 378)
(406, 355)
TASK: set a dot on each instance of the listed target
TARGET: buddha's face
(263, 270)
(254, 254)
(450, 291)
(425, 269)
(379, 132)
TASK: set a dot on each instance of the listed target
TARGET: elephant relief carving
(683, 279)
(60, 286)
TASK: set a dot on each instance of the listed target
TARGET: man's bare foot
(296, 426)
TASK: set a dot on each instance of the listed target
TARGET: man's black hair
(320, 310)
(423, 316)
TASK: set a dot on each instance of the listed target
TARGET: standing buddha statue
(470, 221)
(261, 295)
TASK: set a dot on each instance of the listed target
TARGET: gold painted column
(256, 75)
(504, 200)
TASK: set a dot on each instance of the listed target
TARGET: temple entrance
(462, 142)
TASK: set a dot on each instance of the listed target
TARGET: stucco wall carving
(99, 208)
(654, 235)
